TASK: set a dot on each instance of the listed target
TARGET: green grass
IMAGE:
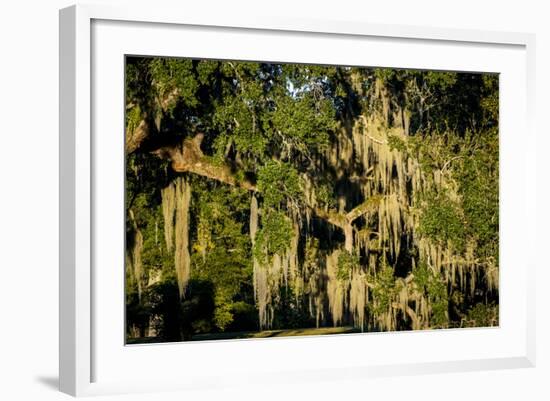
(254, 334)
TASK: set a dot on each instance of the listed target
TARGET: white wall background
(29, 199)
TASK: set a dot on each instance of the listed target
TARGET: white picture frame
(88, 362)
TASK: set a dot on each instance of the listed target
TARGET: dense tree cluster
(278, 196)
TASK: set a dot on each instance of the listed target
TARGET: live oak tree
(264, 195)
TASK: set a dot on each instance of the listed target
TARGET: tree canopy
(278, 196)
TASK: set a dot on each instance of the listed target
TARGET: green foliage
(489, 101)
(347, 262)
(223, 315)
(325, 195)
(137, 81)
(206, 70)
(133, 117)
(442, 101)
(471, 162)
(148, 218)
(145, 175)
(440, 80)
(235, 118)
(271, 124)
(385, 75)
(397, 143)
(304, 120)
(441, 220)
(226, 262)
(278, 182)
(435, 290)
(384, 290)
(482, 315)
(174, 74)
(477, 176)
(275, 235)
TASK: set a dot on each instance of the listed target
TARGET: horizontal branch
(148, 126)
(331, 216)
(367, 206)
(189, 158)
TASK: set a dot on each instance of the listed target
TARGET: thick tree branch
(365, 207)
(135, 137)
(331, 216)
(146, 128)
(410, 312)
(188, 157)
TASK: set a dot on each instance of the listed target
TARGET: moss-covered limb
(331, 216)
(136, 134)
(407, 310)
(143, 118)
(345, 220)
(367, 206)
(189, 158)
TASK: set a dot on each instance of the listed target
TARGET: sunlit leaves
(226, 262)
(174, 74)
(482, 315)
(292, 133)
(238, 124)
(274, 236)
(478, 176)
(303, 121)
(278, 182)
(433, 288)
(439, 80)
(441, 220)
(383, 291)
(490, 102)
(133, 118)
(347, 262)
(206, 71)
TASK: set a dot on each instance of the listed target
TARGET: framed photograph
(259, 200)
